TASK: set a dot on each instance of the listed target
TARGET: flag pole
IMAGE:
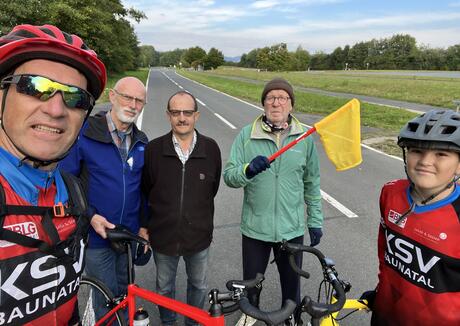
(292, 143)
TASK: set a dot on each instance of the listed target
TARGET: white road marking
(141, 116)
(201, 102)
(348, 213)
(215, 90)
(224, 120)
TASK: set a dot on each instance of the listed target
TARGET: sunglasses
(43, 89)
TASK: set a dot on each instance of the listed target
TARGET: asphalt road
(350, 241)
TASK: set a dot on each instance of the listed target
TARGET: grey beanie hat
(278, 83)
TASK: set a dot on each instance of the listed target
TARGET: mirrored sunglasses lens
(43, 88)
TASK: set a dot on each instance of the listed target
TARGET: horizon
(237, 27)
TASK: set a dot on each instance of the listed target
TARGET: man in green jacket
(273, 205)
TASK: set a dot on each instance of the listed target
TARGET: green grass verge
(387, 120)
(418, 89)
(113, 78)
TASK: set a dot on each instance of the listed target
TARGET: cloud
(237, 26)
(383, 21)
(264, 4)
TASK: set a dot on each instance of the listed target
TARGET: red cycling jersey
(419, 260)
(33, 290)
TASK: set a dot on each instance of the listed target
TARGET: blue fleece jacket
(111, 184)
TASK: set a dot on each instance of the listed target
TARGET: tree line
(194, 57)
(396, 52)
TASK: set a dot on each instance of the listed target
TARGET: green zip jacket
(273, 205)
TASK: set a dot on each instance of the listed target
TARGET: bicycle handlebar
(270, 318)
(248, 284)
(121, 234)
(237, 290)
(316, 309)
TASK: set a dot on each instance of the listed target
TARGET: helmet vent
(428, 128)
(412, 126)
(448, 130)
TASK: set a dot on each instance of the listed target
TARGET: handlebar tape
(318, 310)
(270, 318)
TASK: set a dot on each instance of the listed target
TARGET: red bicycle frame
(134, 291)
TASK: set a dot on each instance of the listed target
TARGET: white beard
(120, 113)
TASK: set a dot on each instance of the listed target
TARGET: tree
(432, 59)
(401, 52)
(299, 60)
(358, 55)
(337, 59)
(148, 56)
(249, 60)
(319, 61)
(274, 58)
(453, 57)
(213, 59)
(194, 56)
(103, 25)
(171, 58)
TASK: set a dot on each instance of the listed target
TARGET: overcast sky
(236, 27)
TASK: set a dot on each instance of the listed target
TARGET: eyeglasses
(176, 113)
(281, 99)
(129, 99)
(44, 88)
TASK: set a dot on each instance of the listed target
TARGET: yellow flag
(340, 133)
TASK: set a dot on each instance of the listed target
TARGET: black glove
(315, 236)
(370, 297)
(258, 164)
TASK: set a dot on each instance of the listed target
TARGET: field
(418, 89)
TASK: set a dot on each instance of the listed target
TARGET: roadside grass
(419, 89)
(382, 120)
(113, 78)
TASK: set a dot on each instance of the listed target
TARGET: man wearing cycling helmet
(49, 81)
(418, 243)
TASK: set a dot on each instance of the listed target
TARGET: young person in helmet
(418, 242)
(49, 82)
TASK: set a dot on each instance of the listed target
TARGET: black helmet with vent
(436, 129)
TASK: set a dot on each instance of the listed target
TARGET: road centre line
(201, 102)
(224, 120)
(340, 207)
(215, 90)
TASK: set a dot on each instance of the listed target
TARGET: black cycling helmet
(436, 129)
(28, 42)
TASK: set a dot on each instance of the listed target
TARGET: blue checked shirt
(122, 139)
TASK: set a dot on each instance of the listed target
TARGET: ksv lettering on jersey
(407, 258)
(50, 286)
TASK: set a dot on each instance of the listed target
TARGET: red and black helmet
(28, 42)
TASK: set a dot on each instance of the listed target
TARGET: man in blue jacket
(108, 157)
